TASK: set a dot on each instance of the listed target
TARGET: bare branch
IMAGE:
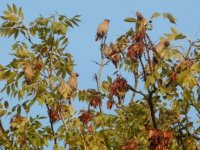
(189, 49)
(51, 123)
(134, 90)
(143, 69)
(135, 85)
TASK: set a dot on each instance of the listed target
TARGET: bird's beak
(77, 74)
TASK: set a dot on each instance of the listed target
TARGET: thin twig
(149, 61)
(135, 85)
(143, 69)
(152, 46)
(189, 49)
(63, 120)
(49, 75)
(51, 123)
(181, 134)
(194, 106)
(101, 66)
(134, 90)
(96, 79)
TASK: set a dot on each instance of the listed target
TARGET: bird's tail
(97, 37)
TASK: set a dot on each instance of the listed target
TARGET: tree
(166, 89)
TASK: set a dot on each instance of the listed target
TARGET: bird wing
(102, 29)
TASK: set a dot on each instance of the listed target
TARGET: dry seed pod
(110, 104)
(85, 117)
(95, 101)
(135, 50)
(139, 36)
(115, 59)
(54, 114)
(159, 140)
(119, 87)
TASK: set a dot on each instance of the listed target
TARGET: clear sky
(82, 44)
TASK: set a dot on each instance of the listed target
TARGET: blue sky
(82, 44)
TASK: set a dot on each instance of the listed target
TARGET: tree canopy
(153, 112)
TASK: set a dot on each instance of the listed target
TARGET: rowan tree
(152, 113)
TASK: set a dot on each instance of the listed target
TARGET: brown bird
(65, 90)
(141, 22)
(28, 72)
(73, 80)
(106, 51)
(102, 30)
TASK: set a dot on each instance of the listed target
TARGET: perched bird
(73, 80)
(65, 90)
(106, 51)
(141, 22)
(102, 30)
(28, 72)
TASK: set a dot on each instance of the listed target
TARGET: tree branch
(101, 66)
(152, 45)
(135, 86)
(51, 123)
(189, 49)
(143, 69)
(134, 90)
(151, 107)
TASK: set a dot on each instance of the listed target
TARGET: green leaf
(59, 28)
(41, 99)
(105, 85)
(109, 79)
(19, 75)
(155, 15)
(74, 22)
(71, 109)
(9, 8)
(16, 34)
(21, 94)
(170, 17)
(8, 90)
(129, 19)
(180, 36)
(151, 79)
(2, 112)
(14, 8)
(6, 104)
(174, 30)
(19, 110)
(20, 14)
(32, 30)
